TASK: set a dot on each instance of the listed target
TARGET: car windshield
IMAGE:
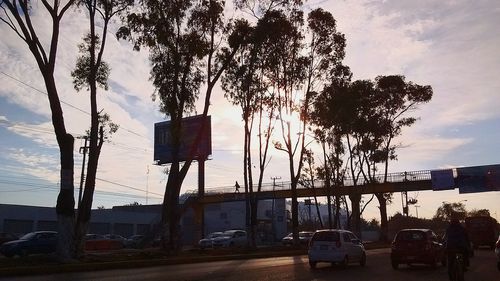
(28, 236)
(328, 236)
(213, 235)
(410, 236)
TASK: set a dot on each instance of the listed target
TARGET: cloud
(450, 45)
(43, 166)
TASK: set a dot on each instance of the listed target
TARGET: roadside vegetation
(282, 66)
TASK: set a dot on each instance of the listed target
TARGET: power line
(42, 92)
(63, 102)
(38, 187)
(26, 127)
(127, 186)
(23, 183)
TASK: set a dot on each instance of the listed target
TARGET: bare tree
(189, 44)
(90, 72)
(17, 16)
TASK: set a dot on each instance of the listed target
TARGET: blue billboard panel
(478, 179)
(442, 179)
(163, 145)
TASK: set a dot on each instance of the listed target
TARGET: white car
(230, 238)
(336, 246)
(207, 241)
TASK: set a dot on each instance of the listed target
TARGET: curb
(97, 265)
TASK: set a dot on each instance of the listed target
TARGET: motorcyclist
(457, 241)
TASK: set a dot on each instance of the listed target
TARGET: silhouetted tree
(189, 44)
(296, 69)
(17, 16)
(244, 86)
(90, 72)
(479, 212)
(447, 210)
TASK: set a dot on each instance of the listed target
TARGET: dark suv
(417, 246)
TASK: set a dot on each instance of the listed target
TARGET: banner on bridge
(442, 179)
(478, 179)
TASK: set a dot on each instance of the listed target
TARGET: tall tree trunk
(318, 212)
(328, 185)
(170, 211)
(356, 213)
(348, 213)
(85, 210)
(65, 207)
(384, 227)
(337, 212)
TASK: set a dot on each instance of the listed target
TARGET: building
(145, 219)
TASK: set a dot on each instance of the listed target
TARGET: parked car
(116, 237)
(91, 236)
(98, 242)
(134, 241)
(207, 241)
(6, 237)
(336, 246)
(304, 238)
(38, 242)
(417, 246)
(497, 251)
(230, 238)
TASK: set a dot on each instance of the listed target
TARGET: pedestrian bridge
(396, 182)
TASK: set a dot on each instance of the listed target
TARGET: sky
(451, 45)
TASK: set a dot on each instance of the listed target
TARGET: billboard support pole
(201, 191)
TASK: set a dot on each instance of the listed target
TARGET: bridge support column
(201, 193)
(356, 213)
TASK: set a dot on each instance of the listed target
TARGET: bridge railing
(348, 181)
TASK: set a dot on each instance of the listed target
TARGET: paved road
(483, 268)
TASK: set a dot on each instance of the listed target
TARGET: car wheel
(394, 264)
(435, 262)
(362, 262)
(23, 253)
(444, 261)
(312, 264)
(345, 262)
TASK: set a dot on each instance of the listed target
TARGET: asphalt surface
(138, 258)
(132, 258)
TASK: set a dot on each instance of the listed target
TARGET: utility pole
(273, 226)
(416, 209)
(404, 198)
(147, 184)
(83, 150)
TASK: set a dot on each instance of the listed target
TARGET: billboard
(442, 179)
(478, 179)
(163, 150)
